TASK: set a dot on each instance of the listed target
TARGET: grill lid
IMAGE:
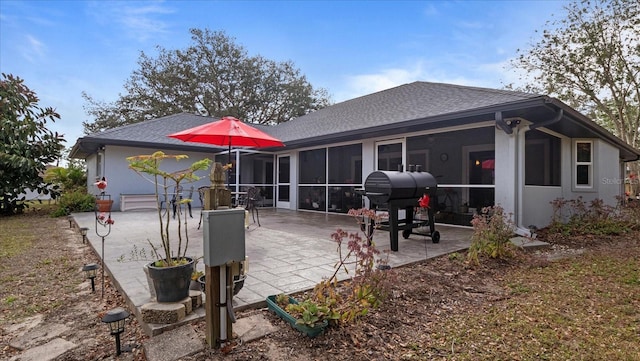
(382, 187)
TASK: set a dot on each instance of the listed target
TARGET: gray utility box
(223, 236)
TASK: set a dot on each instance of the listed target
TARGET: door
(389, 154)
(284, 181)
(481, 178)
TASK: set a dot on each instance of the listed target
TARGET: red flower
(424, 201)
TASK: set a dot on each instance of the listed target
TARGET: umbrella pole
(229, 162)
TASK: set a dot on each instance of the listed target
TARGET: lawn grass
(583, 308)
(32, 264)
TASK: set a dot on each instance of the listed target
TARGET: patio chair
(252, 201)
(201, 194)
(178, 196)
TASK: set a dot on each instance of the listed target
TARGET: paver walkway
(290, 252)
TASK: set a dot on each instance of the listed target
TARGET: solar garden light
(83, 232)
(115, 319)
(70, 219)
(90, 270)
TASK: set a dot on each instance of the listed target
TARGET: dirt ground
(47, 281)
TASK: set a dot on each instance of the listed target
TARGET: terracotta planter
(104, 205)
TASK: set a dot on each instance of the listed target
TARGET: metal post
(118, 349)
(102, 261)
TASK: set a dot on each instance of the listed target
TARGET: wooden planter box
(309, 331)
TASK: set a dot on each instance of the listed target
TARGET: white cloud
(140, 20)
(359, 85)
(490, 75)
(32, 49)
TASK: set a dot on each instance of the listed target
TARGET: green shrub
(492, 232)
(75, 201)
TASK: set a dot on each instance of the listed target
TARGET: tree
(26, 145)
(212, 77)
(590, 59)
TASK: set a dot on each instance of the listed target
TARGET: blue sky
(350, 48)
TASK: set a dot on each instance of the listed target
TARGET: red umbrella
(228, 131)
(489, 164)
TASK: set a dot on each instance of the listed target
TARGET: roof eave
(89, 145)
(628, 153)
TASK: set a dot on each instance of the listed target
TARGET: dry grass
(583, 306)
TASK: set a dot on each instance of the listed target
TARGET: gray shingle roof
(388, 111)
(418, 100)
(155, 130)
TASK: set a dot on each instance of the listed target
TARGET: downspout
(520, 228)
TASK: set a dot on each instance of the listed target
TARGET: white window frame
(590, 164)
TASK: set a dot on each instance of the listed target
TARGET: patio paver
(289, 253)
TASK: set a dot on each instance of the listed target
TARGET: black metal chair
(201, 194)
(178, 196)
(252, 202)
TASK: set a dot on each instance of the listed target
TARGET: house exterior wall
(535, 201)
(122, 180)
(607, 183)
(506, 170)
(537, 207)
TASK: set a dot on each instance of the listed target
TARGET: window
(313, 166)
(345, 164)
(99, 165)
(583, 164)
(541, 159)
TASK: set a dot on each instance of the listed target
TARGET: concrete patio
(290, 252)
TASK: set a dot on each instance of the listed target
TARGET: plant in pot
(331, 303)
(172, 270)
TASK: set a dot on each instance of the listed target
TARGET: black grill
(389, 190)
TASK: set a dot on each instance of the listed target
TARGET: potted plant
(307, 317)
(330, 304)
(172, 269)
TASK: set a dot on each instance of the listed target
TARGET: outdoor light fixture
(83, 232)
(70, 219)
(115, 319)
(90, 270)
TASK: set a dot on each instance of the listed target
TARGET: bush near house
(492, 233)
(577, 217)
(72, 181)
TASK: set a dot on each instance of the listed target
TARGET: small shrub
(576, 217)
(630, 213)
(492, 232)
(310, 313)
(74, 201)
(282, 300)
(368, 287)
